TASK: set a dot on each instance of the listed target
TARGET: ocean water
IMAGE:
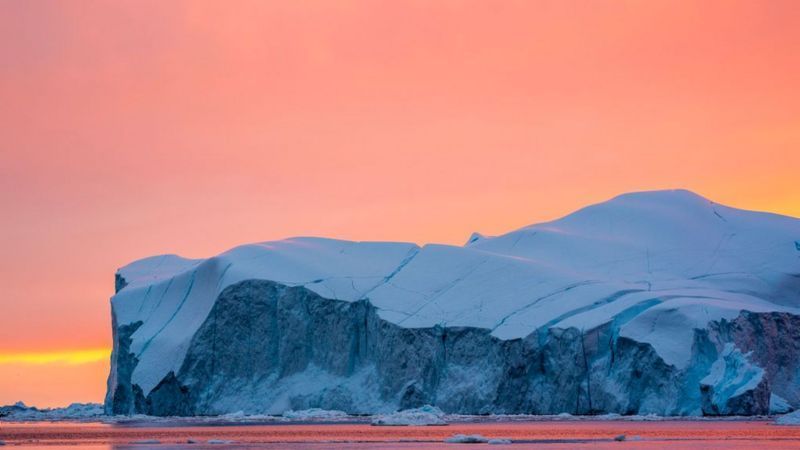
(551, 435)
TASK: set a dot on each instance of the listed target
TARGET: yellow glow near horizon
(69, 357)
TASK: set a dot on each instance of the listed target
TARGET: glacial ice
(656, 302)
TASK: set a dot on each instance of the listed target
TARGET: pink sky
(132, 128)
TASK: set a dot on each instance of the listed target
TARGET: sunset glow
(69, 357)
(134, 128)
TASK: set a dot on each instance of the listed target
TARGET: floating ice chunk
(499, 441)
(789, 419)
(314, 413)
(646, 418)
(466, 439)
(425, 415)
(146, 441)
(609, 416)
(219, 441)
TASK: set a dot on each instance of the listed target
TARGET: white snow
(425, 415)
(655, 264)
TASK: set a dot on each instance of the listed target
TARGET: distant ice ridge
(76, 411)
(656, 302)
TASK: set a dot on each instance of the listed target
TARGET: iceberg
(661, 303)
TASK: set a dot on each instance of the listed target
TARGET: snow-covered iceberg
(651, 303)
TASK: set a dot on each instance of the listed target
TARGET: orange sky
(131, 128)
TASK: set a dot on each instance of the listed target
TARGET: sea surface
(549, 435)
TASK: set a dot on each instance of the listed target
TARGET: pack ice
(650, 303)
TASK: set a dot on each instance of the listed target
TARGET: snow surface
(655, 264)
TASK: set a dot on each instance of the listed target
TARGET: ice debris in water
(499, 441)
(425, 415)
(466, 439)
(146, 441)
(219, 441)
(314, 413)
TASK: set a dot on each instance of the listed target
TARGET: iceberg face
(657, 302)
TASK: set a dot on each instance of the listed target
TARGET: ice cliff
(656, 302)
